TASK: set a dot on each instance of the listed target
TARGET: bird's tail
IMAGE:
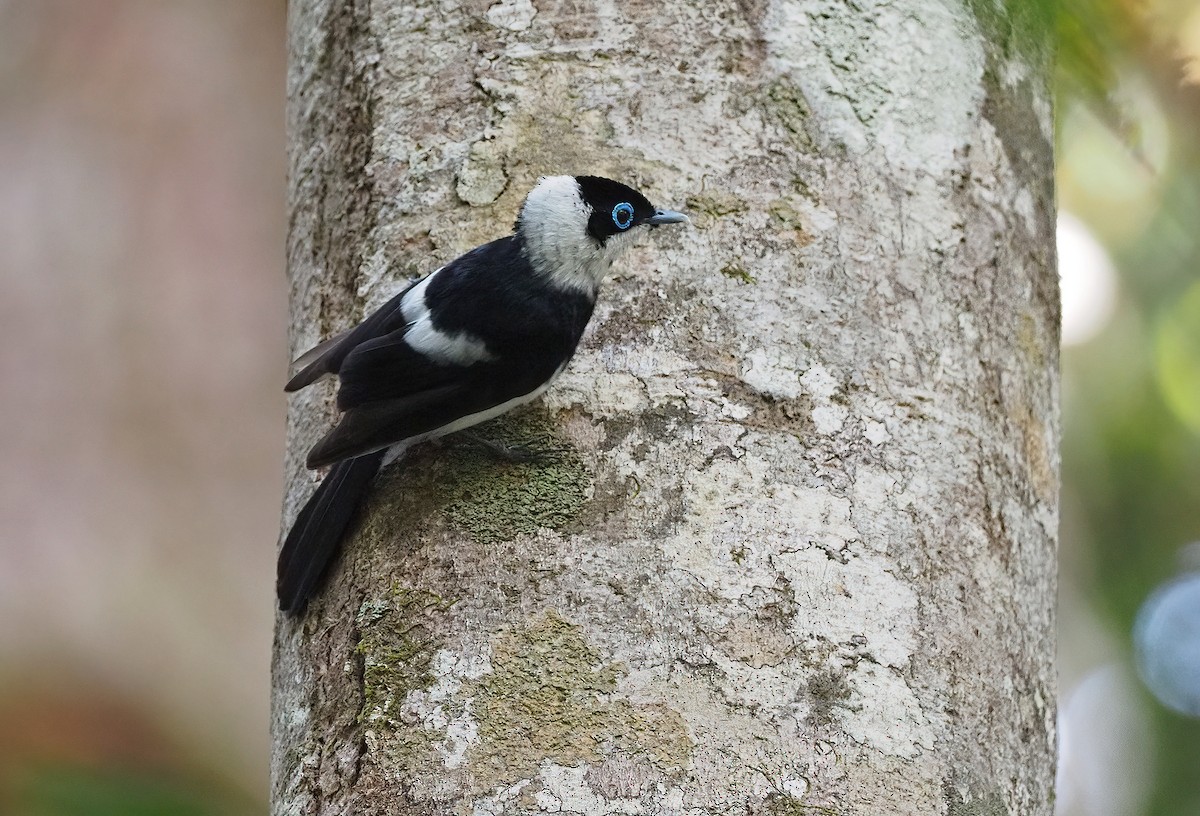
(317, 533)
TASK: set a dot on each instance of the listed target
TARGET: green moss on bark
(990, 803)
(551, 697)
(496, 501)
(784, 102)
(396, 644)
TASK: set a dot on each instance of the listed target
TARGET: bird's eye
(623, 215)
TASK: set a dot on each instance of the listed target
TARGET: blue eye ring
(622, 215)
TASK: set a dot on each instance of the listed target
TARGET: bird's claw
(513, 453)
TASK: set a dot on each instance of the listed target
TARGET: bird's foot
(512, 453)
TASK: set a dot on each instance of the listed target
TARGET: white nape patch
(554, 223)
(460, 348)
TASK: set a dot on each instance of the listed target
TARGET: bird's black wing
(380, 424)
(388, 368)
(327, 357)
(390, 393)
(392, 389)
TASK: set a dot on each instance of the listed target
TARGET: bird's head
(574, 227)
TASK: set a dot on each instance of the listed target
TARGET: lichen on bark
(497, 501)
(551, 697)
(396, 645)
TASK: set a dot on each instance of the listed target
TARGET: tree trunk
(798, 554)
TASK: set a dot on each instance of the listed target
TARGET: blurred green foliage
(1177, 357)
(1091, 38)
(77, 791)
(1129, 165)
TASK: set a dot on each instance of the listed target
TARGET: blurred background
(142, 350)
(142, 343)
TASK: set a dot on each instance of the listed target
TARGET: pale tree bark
(798, 556)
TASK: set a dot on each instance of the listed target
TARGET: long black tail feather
(317, 533)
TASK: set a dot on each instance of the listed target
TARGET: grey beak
(667, 217)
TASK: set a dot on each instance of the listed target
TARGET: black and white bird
(487, 332)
